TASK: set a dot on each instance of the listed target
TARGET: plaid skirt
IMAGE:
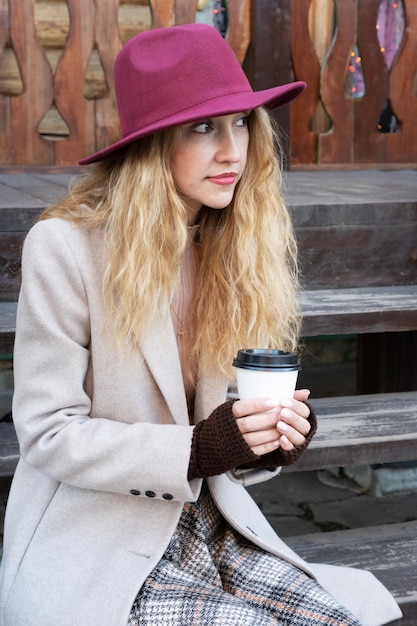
(212, 576)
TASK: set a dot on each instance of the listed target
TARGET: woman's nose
(229, 148)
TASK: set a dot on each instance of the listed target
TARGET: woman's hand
(265, 427)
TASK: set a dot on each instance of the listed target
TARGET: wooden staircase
(357, 233)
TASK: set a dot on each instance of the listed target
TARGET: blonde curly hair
(247, 280)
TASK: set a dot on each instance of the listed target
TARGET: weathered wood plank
(350, 188)
(6, 134)
(370, 144)
(29, 108)
(238, 32)
(9, 277)
(268, 62)
(341, 311)
(9, 449)
(6, 342)
(361, 430)
(304, 141)
(8, 317)
(185, 12)
(337, 146)
(356, 310)
(355, 255)
(355, 228)
(12, 198)
(108, 41)
(403, 145)
(25, 193)
(354, 430)
(163, 13)
(52, 21)
(77, 111)
(27, 190)
(389, 551)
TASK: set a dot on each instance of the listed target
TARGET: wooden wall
(56, 87)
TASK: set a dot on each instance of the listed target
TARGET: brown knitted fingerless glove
(218, 445)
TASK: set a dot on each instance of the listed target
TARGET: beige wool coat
(105, 445)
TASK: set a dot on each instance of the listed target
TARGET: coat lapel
(159, 348)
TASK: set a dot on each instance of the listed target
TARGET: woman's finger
(261, 437)
(242, 408)
(290, 435)
(302, 394)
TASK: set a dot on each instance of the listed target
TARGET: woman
(128, 504)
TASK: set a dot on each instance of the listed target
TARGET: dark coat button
(135, 492)
(167, 496)
(150, 494)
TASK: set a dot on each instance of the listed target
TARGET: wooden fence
(56, 84)
(353, 136)
(56, 89)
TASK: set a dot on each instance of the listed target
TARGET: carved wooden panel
(336, 146)
(370, 144)
(355, 135)
(20, 141)
(57, 100)
(403, 92)
(306, 67)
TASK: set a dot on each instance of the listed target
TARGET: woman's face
(209, 159)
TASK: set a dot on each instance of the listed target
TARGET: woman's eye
(203, 127)
(242, 121)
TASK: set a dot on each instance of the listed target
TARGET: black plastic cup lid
(266, 359)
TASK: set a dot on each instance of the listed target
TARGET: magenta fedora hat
(165, 77)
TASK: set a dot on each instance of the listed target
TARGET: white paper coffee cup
(266, 373)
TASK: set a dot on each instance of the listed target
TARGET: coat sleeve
(51, 407)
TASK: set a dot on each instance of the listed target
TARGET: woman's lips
(228, 178)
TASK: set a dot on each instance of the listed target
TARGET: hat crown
(167, 77)
(167, 72)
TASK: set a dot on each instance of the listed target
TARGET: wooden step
(9, 449)
(389, 551)
(359, 310)
(325, 312)
(7, 326)
(361, 430)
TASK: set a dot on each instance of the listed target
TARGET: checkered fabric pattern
(212, 576)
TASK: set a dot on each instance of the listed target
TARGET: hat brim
(230, 103)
